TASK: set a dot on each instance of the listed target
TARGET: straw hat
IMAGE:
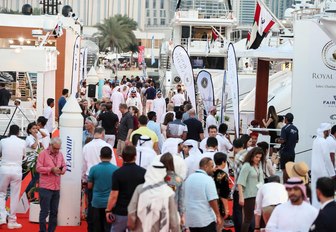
(299, 169)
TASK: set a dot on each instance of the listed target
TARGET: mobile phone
(112, 217)
(60, 168)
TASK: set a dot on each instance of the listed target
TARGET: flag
(206, 89)
(152, 52)
(214, 35)
(263, 22)
(178, 3)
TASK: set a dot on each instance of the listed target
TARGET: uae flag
(263, 22)
(214, 35)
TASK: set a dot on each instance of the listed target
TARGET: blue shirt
(61, 103)
(290, 134)
(199, 190)
(100, 175)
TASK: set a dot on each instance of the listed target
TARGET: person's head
(296, 190)
(32, 128)
(237, 145)
(170, 107)
(143, 120)
(222, 128)
(168, 161)
(213, 110)
(14, 130)
(333, 130)
(133, 93)
(186, 147)
(273, 179)
(105, 153)
(65, 92)
(123, 108)
(324, 129)
(254, 156)
(168, 118)
(159, 94)
(55, 145)
(212, 143)
(212, 131)
(108, 106)
(325, 189)
(178, 115)
(129, 153)
(220, 159)
(245, 139)
(17, 102)
(271, 112)
(289, 117)
(207, 165)
(254, 139)
(187, 107)
(50, 102)
(151, 116)
(133, 110)
(90, 123)
(192, 113)
(41, 121)
(264, 146)
(99, 133)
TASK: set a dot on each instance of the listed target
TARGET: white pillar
(71, 133)
(39, 93)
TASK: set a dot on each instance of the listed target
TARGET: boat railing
(200, 13)
(203, 43)
(10, 115)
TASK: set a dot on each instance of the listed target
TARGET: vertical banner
(313, 84)
(232, 78)
(141, 52)
(206, 90)
(183, 67)
(75, 65)
(223, 100)
(152, 51)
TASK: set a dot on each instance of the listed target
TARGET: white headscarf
(145, 152)
(323, 127)
(195, 155)
(153, 203)
(171, 145)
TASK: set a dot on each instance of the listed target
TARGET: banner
(183, 67)
(206, 90)
(141, 53)
(152, 52)
(223, 100)
(313, 84)
(232, 79)
(75, 65)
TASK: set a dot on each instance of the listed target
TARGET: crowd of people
(179, 172)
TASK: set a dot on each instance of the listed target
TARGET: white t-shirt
(46, 140)
(178, 99)
(48, 114)
(292, 218)
(224, 144)
(332, 144)
(13, 149)
(270, 194)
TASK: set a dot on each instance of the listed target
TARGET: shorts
(284, 158)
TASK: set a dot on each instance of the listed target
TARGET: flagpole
(274, 17)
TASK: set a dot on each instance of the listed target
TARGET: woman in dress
(168, 118)
(271, 122)
(251, 178)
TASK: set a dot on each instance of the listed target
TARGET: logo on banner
(330, 102)
(329, 55)
(69, 152)
(204, 82)
(333, 117)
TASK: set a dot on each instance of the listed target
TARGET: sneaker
(228, 223)
(14, 225)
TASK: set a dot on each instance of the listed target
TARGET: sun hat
(299, 169)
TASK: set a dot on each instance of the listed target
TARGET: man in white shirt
(91, 157)
(12, 150)
(48, 114)
(321, 164)
(212, 132)
(159, 106)
(294, 215)
(224, 145)
(178, 100)
(210, 120)
(144, 148)
(268, 197)
(133, 100)
(117, 98)
(193, 155)
(106, 90)
(331, 140)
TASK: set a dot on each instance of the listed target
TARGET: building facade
(91, 12)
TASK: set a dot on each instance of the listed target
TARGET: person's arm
(269, 121)
(129, 135)
(42, 133)
(226, 206)
(258, 209)
(90, 185)
(257, 222)
(214, 206)
(332, 157)
(111, 203)
(156, 147)
(241, 195)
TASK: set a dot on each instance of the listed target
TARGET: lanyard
(258, 173)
